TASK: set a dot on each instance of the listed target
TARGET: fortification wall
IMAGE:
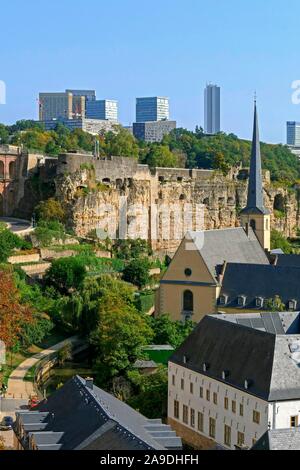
(160, 204)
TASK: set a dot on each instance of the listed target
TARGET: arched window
(188, 301)
(12, 170)
(1, 170)
(253, 224)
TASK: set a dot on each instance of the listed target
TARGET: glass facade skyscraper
(102, 109)
(152, 109)
(293, 133)
(212, 109)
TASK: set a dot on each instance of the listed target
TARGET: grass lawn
(15, 359)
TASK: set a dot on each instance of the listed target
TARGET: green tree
(9, 242)
(64, 354)
(4, 134)
(120, 143)
(275, 305)
(50, 210)
(167, 331)
(137, 272)
(151, 393)
(278, 241)
(119, 337)
(161, 156)
(66, 273)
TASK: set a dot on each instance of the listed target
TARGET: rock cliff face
(126, 199)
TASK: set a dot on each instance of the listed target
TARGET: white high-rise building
(212, 109)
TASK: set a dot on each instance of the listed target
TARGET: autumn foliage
(13, 315)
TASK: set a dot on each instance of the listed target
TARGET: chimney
(89, 383)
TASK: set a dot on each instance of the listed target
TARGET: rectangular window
(191, 388)
(233, 407)
(215, 398)
(201, 392)
(256, 417)
(241, 409)
(192, 418)
(208, 395)
(176, 409)
(227, 435)
(212, 428)
(200, 422)
(185, 415)
(240, 439)
(294, 421)
(182, 384)
(226, 403)
(173, 380)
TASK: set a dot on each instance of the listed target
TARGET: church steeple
(255, 201)
(255, 214)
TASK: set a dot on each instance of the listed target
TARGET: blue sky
(130, 48)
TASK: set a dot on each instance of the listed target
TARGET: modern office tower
(102, 109)
(212, 109)
(293, 133)
(55, 106)
(152, 109)
(90, 95)
(152, 131)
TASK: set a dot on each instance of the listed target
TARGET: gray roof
(278, 323)
(139, 364)
(279, 439)
(255, 201)
(232, 245)
(90, 418)
(257, 280)
(270, 363)
(288, 260)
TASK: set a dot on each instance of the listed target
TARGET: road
(18, 226)
(18, 388)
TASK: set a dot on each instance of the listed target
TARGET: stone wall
(156, 201)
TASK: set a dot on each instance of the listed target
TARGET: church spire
(255, 201)
(255, 215)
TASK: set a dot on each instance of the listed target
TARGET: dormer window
(223, 299)
(259, 302)
(248, 384)
(225, 374)
(241, 301)
(292, 304)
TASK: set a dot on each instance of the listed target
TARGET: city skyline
(240, 56)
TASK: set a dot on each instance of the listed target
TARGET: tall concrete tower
(212, 109)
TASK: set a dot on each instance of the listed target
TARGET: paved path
(18, 388)
(18, 226)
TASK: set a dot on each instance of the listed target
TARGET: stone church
(204, 263)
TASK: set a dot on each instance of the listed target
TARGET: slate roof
(256, 280)
(89, 418)
(288, 260)
(269, 363)
(278, 323)
(279, 439)
(231, 245)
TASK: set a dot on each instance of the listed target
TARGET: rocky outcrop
(118, 195)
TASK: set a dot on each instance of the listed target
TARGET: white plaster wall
(281, 412)
(237, 423)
